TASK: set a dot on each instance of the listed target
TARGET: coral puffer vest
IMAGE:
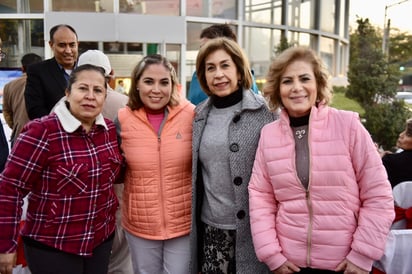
(157, 194)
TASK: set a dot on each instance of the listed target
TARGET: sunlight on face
(298, 88)
(87, 96)
(222, 76)
(155, 87)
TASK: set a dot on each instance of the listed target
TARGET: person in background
(398, 165)
(226, 131)
(14, 108)
(120, 86)
(156, 136)
(68, 173)
(47, 80)
(196, 94)
(120, 260)
(114, 100)
(15, 114)
(320, 201)
(4, 144)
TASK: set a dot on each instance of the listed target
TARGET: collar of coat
(250, 101)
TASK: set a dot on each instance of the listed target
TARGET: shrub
(385, 121)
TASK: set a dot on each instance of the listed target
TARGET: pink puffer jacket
(348, 208)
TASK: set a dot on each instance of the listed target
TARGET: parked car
(404, 95)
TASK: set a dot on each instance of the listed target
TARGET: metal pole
(384, 31)
(386, 28)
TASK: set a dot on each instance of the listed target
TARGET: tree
(373, 83)
(283, 44)
(372, 80)
(385, 122)
(400, 47)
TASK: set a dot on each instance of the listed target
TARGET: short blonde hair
(271, 89)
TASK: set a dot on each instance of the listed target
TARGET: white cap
(96, 58)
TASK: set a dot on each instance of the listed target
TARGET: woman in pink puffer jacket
(319, 194)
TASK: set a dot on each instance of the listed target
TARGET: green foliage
(373, 83)
(371, 78)
(339, 89)
(283, 44)
(340, 101)
(385, 121)
(400, 47)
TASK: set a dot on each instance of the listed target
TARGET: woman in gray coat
(226, 131)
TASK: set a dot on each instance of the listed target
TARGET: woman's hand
(7, 262)
(349, 268)
(286, 268)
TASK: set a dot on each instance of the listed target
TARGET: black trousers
(42, 259)
(316, 271)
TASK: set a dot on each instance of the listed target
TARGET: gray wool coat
(244, 132)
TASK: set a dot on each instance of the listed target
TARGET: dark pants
(42, 259)
(316, 271)
(4, 148)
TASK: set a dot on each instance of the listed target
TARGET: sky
(399, 14)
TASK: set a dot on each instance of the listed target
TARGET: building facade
(126, 30)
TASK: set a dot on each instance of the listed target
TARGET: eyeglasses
(2, 54)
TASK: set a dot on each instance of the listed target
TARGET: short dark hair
(86, 67)
(219, 30)
(56, 27)
(30, 58)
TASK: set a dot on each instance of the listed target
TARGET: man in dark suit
(47, 80)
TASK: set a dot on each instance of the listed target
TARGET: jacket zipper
(159, 143)
(309, 239)
(309, 203)
(308, 200)
(161, 200)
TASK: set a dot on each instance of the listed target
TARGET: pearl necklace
(299, 133)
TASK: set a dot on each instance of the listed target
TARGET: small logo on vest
(178, 136)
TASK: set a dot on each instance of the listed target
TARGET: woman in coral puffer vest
(156, 138)
(320, 200)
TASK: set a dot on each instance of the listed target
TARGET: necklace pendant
(299, 133)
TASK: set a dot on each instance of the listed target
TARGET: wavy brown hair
(135, 102)
(271, 89)
(236, 53)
